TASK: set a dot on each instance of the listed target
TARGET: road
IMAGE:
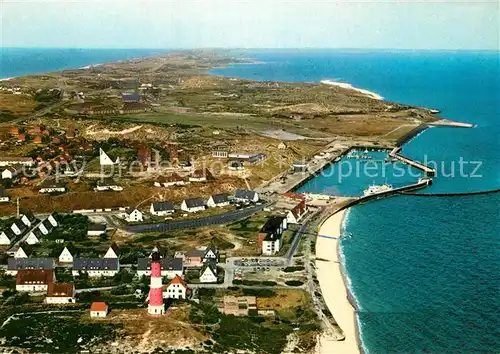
(194, 223)
(297, 237)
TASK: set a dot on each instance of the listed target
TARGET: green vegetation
(291, 269)
(71, 227)
(64, 332)
(294, 283)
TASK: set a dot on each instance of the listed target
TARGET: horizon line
(263, 48)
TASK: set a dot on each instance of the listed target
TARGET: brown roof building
(61, 290)
(34, 277)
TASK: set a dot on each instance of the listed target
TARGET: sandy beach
(334, 290)
(345, 85)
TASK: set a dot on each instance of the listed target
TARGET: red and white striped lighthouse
(155, 306)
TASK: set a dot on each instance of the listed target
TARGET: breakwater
(411, 134)
(462, 194)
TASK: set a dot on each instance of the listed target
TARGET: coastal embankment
(335, 288)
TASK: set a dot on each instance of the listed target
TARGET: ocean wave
(350, 87)
(6, 79)
(86, 67)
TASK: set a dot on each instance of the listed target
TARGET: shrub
(269, 283)
(293, 269)
(259, 292)
(294, 283)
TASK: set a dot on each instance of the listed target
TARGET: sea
(424, 270)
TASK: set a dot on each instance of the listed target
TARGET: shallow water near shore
(424, 271)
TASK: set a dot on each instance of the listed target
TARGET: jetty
(451, 123)
(406, 160)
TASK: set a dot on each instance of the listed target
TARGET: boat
(376, 189)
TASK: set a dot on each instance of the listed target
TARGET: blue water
(425, 271)
(23, 61)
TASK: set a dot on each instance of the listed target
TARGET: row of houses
(193, 205)
(44, 280)
(29, 228)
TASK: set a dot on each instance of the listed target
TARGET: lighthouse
(155, 306)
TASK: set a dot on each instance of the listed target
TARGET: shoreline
(348, 86)
(335, 288)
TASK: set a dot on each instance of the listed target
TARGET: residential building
(106, 159)
(34, 237)
(98, 309)
(20, 253)
(239, 305)
(18, 227)
(11, 171)
(218, 200)
(176, 289)
(162, 208)
(68, 254)
(113, 251)
(4, 197)
(96, 229)
(271, 234)
(193, 205)
(200, 175)
(220, 152)
(295, 215)
(131, 97)
(34, 280)
(108, 184)
(96, 267)
(174, 180)
(16, 264)
(196, 258)
(11, 161)
(60, 293)
(52, 220)
(246, 196)
(133, 215)
(29, 219)
(7, 237)
(170, 267)
(50, 185)
(45, 227)
(235, 165)
(208, 272)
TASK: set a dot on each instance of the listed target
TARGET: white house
(29, 219)
(176, 289)
(34, 280)
(60, 293)
(113, 251)
(96, 229)
(6, 237)
(170, 267)
(133, 215)
(297, 213)
(45, 227)
(96, 267)
(108, 184)
(107, 159)
(162, 208)
(33, 238)
(98, 309)
(18, 227)
(68, 254)
(20, 253)
(10, 172)
(10, 161)
(52, 220)
(218, 200)
(173, 180)
(193, 205)
(208, 273)
(271, 234)
(51, 186)
(246, 196)
(200, 175)
(4, 197)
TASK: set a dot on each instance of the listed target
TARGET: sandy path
(328, 270)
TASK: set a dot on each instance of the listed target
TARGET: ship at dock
(377, 189)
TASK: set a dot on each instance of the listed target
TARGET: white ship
(375, 189)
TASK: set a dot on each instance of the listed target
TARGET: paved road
(193, 223)
(298, 234)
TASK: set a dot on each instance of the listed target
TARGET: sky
(401, 24)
